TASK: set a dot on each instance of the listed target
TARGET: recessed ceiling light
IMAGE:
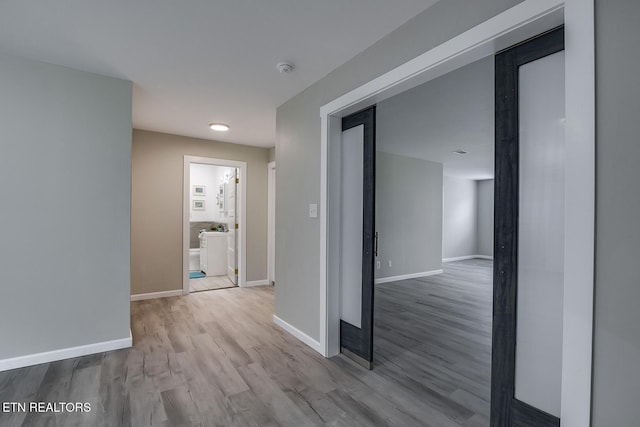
(460, 152)
(220, 127)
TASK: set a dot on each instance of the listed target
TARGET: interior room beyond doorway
(434, 218)
(212, 227)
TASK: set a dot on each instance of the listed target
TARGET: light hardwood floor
(216, 359)
(210, 283)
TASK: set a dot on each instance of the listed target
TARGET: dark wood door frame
(506, 410)
(355, 342)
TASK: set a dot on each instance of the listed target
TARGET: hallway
(216, 358)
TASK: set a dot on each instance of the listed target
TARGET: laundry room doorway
(214, 238)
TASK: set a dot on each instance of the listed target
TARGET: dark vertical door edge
(506, 410)
(359, 341)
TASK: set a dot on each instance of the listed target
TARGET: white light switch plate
(313, 210)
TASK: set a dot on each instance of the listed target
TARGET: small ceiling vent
(460, 151)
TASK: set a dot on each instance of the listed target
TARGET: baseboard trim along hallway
(406, 276)
(154, 295)
(256, 283)
(64, 353)
(298, 334)
(463, 258)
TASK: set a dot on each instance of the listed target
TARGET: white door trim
(242, 235)
(579, 216)
(516, 24)
(271, 222)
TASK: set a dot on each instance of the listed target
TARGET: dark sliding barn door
(358, 157)
(529, 233)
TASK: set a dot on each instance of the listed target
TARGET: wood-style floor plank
(217, 359)
(209, 283)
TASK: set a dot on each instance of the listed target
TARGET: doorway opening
(434, 219)
(214, 240)
(212, 219)
(433, 150)
(512, 27)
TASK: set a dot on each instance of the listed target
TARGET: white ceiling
(194, 62)
(455, 111)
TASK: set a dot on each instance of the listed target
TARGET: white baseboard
(65, 353)
(153, 295)
(298, 334)
(406, 276)
(462, 258)
(255, 283)
(458, 258)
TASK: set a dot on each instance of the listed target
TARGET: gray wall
(272, 154)
(65, 168)
(616, 380)
(298, 147)
(468, 217)
(408, 215)
(156, 208)
(459, 220)
(485, 217)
